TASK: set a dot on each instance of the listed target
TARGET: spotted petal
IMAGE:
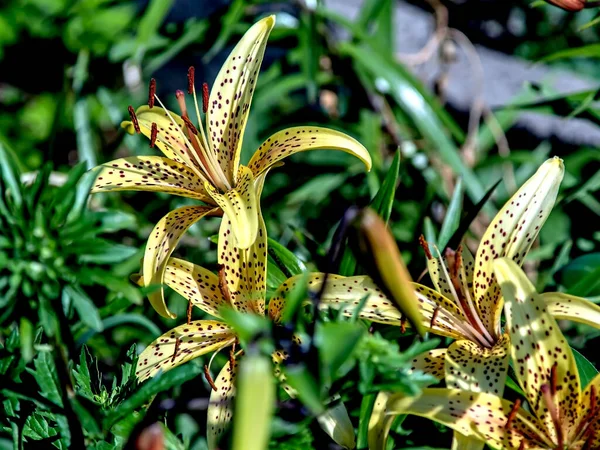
(300, 139)
(569, 307)
(431, 362)
(162, 243)
(341, 292)
(586, 413)
(241, 206)
(512, 233)
(478, 415)
(183, 344)
(441, 315)
(244, 270)
(171, 139)
(538, 345)
(220, 407)
(196, 284)
(150, 173)
(231, 96)
(379, 423)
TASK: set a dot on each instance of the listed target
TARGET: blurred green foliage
(72, 323)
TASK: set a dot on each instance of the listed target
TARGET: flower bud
(568, 5)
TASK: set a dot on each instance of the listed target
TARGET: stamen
(151, 93)
(191, 73)
(153, 134)
(189, 312)
(522, 445)
(403, 321)
(209, 379)
(136, 124)
(177, 343)
(553, 379)
(553, 410)
(512, 414)
(434, 316)
(223, 285)
(190, 125)
(204, 97)
(423, 243)
(181, 101)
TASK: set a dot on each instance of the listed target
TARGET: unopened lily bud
(254, 403)
(380, 256)
(568, 5)
(336, 423)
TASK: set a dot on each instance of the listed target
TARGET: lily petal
(300, 139)
(379, 423)
(244, 270)
(220, 406)
(479, 415)
(538, 345)
(161, 243)
(183, 344)
(440, 314)
(570, 307)
(241, 205)
(473, 368)
(150, 173)
(512, 233)
(431, 362)
(586, 413)
(170, 139)
(196, 284)
(344, 293)
(231, 96)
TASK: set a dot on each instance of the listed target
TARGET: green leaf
(155, 13)
(452, 219)
(150, 388)
(366, 408)
(46, 377)
(336, 342)
(87, 311)
(285, 260)
(300, 379)
(587, 371)
(384, 199)
(10, 174)
(102, 251)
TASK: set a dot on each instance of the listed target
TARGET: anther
(434, 316)
(522, 445)
(189, 124)
(513, 413)
(136, 124)
(553, 379)
(553, 410)
(153, 134)
(189, 312)
(403, 322)
(191, 73)
(209, 379)
(204, 97)
(177, 342)
(151, 93)
(181, 101)
(423, 243)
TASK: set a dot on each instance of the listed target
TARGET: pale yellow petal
(196, 284)
(474, 414)
(183, 344)
(511, 234)
(149, 173)
(161, 243)
(300, 139)
(569, 307)
(231, 96)
(538, 346)
(241, 206)
(441, 315)
(432, 363)
(220, 407)
(379, 423)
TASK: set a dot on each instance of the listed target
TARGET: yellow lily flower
(560, 415)
(241, 284)
(205, 165)
(467, 305)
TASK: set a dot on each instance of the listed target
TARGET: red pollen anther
(204, 97)
(513, 413)
(553, 379)
(434, 316)
(209, 379)
(191, 73)
(425, 246)
(151, 93)
(153, 134)
(403, 321)
(522, 445)
(136, 124)
(177, 343)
